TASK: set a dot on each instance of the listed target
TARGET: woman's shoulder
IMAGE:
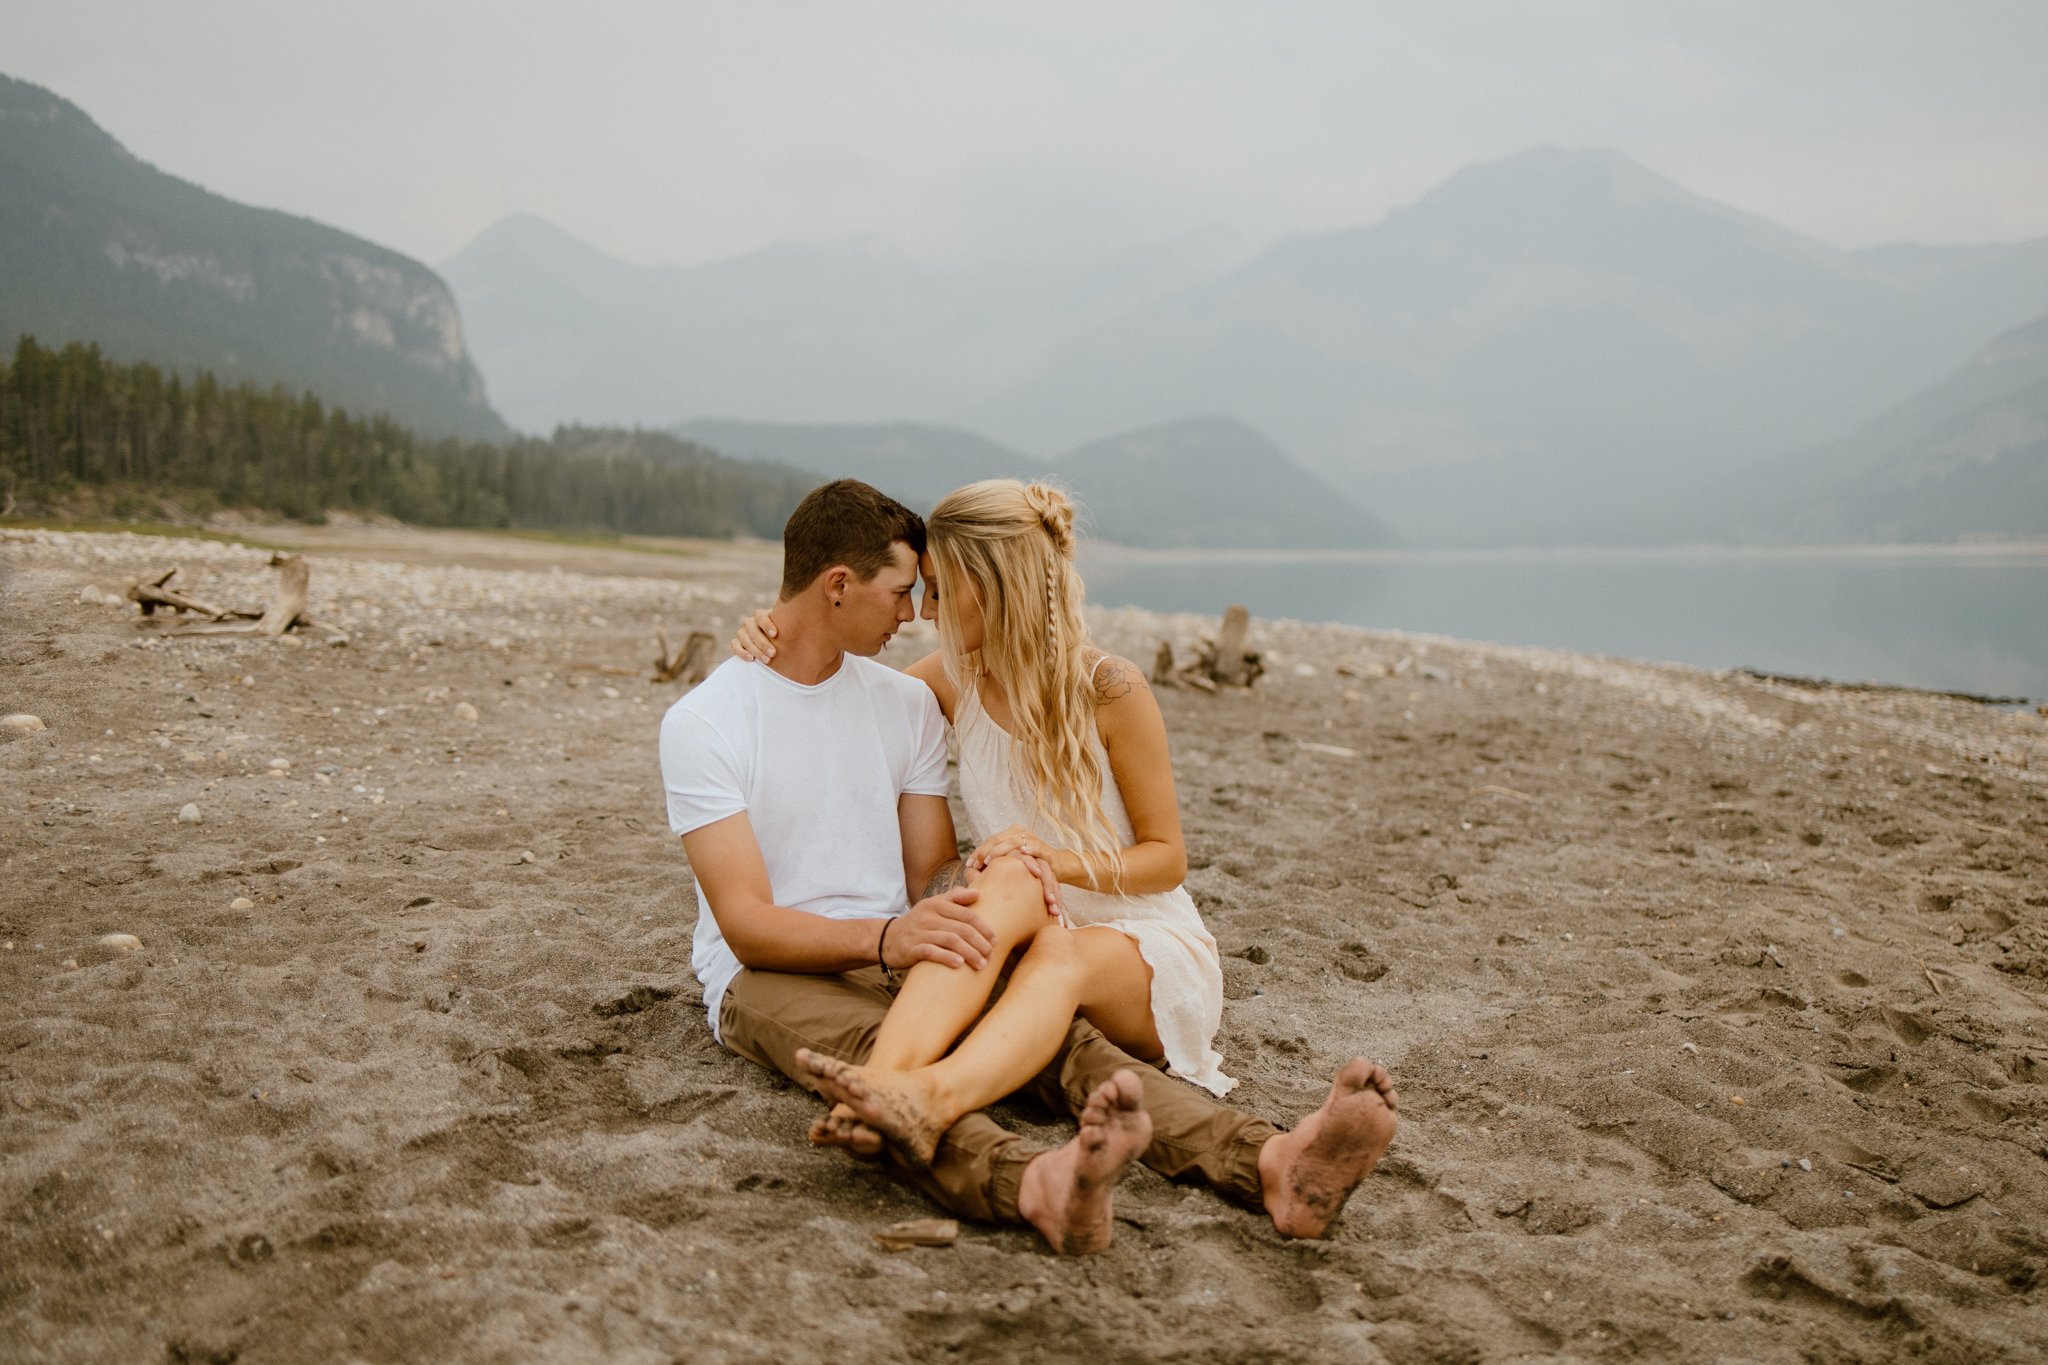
(1112, 678)
(931, 671)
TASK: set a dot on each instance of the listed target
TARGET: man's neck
(804, 652)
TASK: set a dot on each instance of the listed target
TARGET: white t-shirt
(818, 771)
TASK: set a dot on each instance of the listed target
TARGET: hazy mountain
(1545, 348)
(913, 462)
(1539, 336)
(1209, 481)
(102, 247)
(1965, 459)
(842, 332)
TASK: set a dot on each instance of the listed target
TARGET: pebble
(241, 903)
(188, 814)
(464, 711)
(280, 765)
(612, 693)
(1736, 1100)
(1692, 1049)
(22, 723)
(526, 855)
(127, 943)
(1805, 1164)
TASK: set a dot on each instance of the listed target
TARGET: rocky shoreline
(1716, 1002)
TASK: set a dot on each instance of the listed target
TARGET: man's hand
(942, 929)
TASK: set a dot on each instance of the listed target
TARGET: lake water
(1966, 619)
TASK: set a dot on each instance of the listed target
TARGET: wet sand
(1719, 1007)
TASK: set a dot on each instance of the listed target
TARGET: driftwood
(691, 664)
(1227, 661)
(287, 610)
(1218, 663)
(151, 593)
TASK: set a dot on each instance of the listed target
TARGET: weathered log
(286, 609)
(1228, 662)
(151, 593)
(691, 664)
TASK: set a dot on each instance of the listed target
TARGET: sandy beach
(1718, 1007)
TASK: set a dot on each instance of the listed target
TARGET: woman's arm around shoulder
(931, 671)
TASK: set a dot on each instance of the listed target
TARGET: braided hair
(1010, 547)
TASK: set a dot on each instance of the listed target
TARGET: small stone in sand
(525, 855)
(919, 1232)
(464, 711)
(1692, 1048)
(127, 943)
(188, 814)
(1805, 1164)
(241, 903)
(1736, 1100)
(21, 723)
(280, 765)
(612, 693)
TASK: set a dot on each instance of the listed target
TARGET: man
(810, 794)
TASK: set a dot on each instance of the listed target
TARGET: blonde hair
(1011, 545)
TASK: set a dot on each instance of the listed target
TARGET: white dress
(1187, 976)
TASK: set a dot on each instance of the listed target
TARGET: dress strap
(1102, 659)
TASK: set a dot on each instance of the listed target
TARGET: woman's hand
(755, 641)
(1018, 839)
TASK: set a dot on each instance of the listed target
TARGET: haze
(676, 134)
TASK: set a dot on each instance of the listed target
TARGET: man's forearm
(776, 938)
(944, 878)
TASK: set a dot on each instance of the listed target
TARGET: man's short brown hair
(845, 522)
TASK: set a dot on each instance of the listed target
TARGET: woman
(1062, 757)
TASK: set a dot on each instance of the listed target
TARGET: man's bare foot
(1309, 1173)
(843, 1128)
(1067, 1193)
(896, 1104)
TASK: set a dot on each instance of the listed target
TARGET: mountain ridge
(103, 247)
(1199, 481)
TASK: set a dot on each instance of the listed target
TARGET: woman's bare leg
(937, 1004)
(1097, 972)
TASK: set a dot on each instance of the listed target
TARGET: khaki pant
(767, 1016)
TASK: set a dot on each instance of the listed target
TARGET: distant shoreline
(1107, 550)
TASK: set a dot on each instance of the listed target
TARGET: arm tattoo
(948, 876)
(1115, 679)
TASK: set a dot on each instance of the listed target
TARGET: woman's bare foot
(897, 1104)
(1309, 1173)
(1067, 1193)
(843, 1128)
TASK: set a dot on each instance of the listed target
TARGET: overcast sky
(681, 131)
